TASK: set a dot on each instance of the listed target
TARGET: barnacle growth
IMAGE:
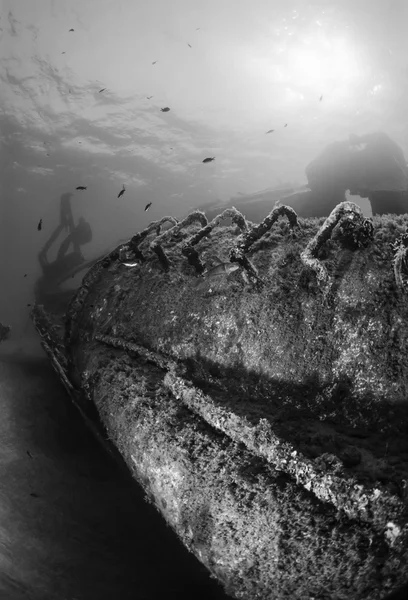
(133, 246)
(188, 248)
(258, 418)
(246, 239)
(157, 246)
(400, 262)
(356, 230)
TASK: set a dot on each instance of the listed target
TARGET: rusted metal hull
(263, 410)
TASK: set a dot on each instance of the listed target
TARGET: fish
(122, 191)
(148, 206)
(223, 268)
(25, 274)
(207, 160)
(220, 269)
(47, 154)
(39, 226)
(29, 454)
(71, 30)
(165, 109)
(270, 131)
(81, 187)
(28, 304)
(62, 52)
(285, 125)
(189, 45)
(197, 28)
(154, 62)
(134, 264)
(102, 90)
(321, 98)
(148, 97)
(34, 495)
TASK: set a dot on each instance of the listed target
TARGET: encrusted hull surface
(263, 407)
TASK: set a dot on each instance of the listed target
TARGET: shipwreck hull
(263, 409)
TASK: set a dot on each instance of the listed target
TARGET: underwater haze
(117, 113)
(261, 86)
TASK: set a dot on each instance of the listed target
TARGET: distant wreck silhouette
(371, 166)
(66, 265)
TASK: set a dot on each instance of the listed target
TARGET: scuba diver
(66, 264)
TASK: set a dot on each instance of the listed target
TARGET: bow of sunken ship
(254, 379)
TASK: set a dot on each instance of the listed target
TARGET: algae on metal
(259, 532)
(239, 325)
(295, 398)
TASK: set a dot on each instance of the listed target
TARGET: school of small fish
(220, 268)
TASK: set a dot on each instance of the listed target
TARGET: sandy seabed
(72, 525)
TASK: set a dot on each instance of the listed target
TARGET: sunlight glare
(321, 63)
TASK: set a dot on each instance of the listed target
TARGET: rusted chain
(191, 253)
(157, 246)
(349, 216)
(246, 239)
